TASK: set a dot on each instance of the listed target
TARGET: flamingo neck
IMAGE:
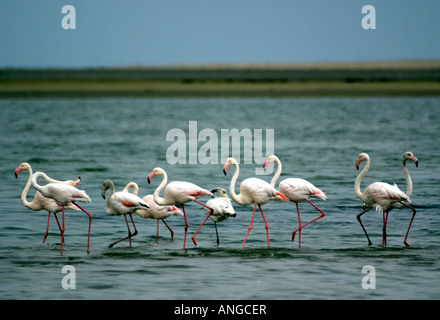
(277, 173)
(357, 184)
(234, 196)
(35, 176)
(132, 185)
(26, 190)
(111, 186)
(409, 185)
(162, 185)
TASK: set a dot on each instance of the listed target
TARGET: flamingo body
(39, 202)
(64, 195)
(155, 211)
(120, 203)
(221, 206)
(177, 192)
(296, 190)
(252, 191)
(220, 209)
(299, 190)
(61, 193)
(158, 212)
(382, 196)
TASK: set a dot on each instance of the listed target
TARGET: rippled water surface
(316, 139)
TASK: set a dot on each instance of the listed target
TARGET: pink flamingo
(64, 195)
(122, 203)
(252, 190)
(39, 202)
(177, 192)
(160, 213)
(222, 209)
(380, 195)
(297, 190)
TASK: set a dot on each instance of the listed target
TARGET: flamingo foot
(194, 240)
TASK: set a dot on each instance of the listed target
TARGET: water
(316, 139)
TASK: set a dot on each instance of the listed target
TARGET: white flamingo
(379, 195)
(39, 202)
(297, 190)
(119, 203)
(252, 191)
(177, 192)
(64, 195)
(160, 213)
(222, 209)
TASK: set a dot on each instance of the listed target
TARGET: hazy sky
(161, 32)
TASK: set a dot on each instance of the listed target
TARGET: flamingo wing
(182, 191)
(382, 195)
(298, 190)
(124, 203)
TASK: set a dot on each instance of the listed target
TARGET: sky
(168, 32)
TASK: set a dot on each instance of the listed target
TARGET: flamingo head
(23, 166)
(73, 183)
(176, 211)
(155, 172)
(409, 156)
(362, 157)
(221, 192)
(105, 186)
(77, 181)
(228, 162)
(269, 160)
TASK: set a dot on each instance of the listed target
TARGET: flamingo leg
(171, 231)
(384, 229)
(47, 228)
(365, 231)
(129, 232)
(302, 226)
(266, 225)
(90, 224)
(250, 226)
(211, 211)
(186, 226)
(216, 232)
(157, 232)
(407, 232)
(186, 223)
(299, 228)
(59, 226)
(195, 233)
(62, 231)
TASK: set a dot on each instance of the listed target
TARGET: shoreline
(398, 78)
(43, 89)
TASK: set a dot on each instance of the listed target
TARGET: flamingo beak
(266, 163)
(358, 162)
(416, 161)
(77, 181)
(225, 167)
(151, 175)
(17, 171)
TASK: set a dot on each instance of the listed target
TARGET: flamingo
(177, 192)
(222, 209)
(380, 195)
(122, 202)
(156, 211)
(64, 195)
(297, 190)
(39, 202)
(252, 190)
